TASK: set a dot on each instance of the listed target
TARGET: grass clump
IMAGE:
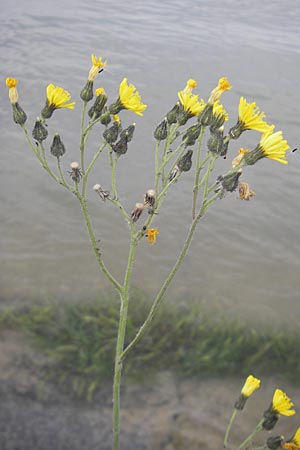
(81, 338)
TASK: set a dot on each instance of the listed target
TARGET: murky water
(245, 257)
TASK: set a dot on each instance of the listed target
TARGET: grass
(80, 338)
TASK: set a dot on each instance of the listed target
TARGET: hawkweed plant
(178, 150)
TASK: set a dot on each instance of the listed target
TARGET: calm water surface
(245, 256)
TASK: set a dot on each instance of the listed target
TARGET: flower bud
(19, 115)
(161, 131)
(121, 146)
(105, 118)
(274, 442)
(87, 92)
(172, 115)
(192, 134)
(137, 211)
(57, 148)
(205, 117)
(111, 133)
(215, 142)
(128, 133)
(39, 131)
(185, 162)
(230, 181)
(98, 106)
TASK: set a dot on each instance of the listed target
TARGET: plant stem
(82, 138)
(105, 271)
(160, 296)
(197, 174)
(229, 427)
(249, 438)
(124, 295)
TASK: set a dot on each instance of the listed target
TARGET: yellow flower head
(100, 91)
(58, 97)
(293, 443)
(190, 103)
(151, 234)
(251, 118)
(220, 111)
(130, 98)
(296, 438)
(216, 93)
(250, 386)
(190, 85)
(274, 146)
(97, 65)
(11, 83)
(282, 404)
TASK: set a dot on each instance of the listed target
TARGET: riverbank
(50, 398)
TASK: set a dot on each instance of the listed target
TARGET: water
(245, 256)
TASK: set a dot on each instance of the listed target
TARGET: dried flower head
(137, 211)
(149, 198)
(244, 191)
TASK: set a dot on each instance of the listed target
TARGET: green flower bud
(39, 131)
(230, 181)
(111, 134)
(19, 115)
(206, 116)
(173, 113)
(128, 133)
(183, 117)
(161, 131)
(215, 142)
(184, 164)
(120, 147)
(57, 148)
(96, 110)
(87, 92)
(105, 119)
(274, 442)
(192, 134)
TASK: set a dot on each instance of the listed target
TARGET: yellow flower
(293, 443)
(100, 91)
(57, 98)
(271, 146)
(219, 110)
(282, 404)
(97, 65)
(251, 118)
(216, 93)
(190, 103)
(11, 83)
(151, 235)
(250, 386)
(129, 98)
(190, 85)
(296, 437)
(274, 146)
(116, 118)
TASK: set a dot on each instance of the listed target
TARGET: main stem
(124, 297)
